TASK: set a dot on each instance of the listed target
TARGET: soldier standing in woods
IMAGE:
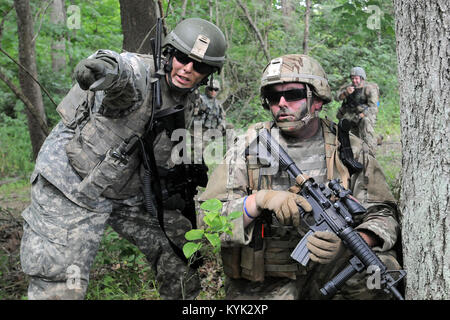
(209, 110)
(256, 257)
(359, 109)
(89, 171)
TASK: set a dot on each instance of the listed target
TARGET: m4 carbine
(330, 215)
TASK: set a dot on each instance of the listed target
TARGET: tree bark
(183, 10)
(58, 53)
(27, 58)
(306, 33)
(287, 8)
(138, 19)
(422, 32)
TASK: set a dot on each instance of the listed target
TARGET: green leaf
(213, 205)
(194, 234)
(190, 248)
(216, 222)
(235, 215)
(213, 239)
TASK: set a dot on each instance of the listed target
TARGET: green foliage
(120, 272)
(15, 147)
(339, 39)
(216, 225)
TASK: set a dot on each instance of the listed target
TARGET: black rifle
(335, 216)
(166, 119)
(183, 179)
(345, 148)
(354, 99)
(156, 51)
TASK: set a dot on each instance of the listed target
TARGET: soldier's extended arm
(121, 77)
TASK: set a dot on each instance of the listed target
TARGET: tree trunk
(422, 31)
(183, 10)
(27, 58)
(287, 9)
(58, 53)
(306, 33)
(138, 18)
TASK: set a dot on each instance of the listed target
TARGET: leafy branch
(216, 226)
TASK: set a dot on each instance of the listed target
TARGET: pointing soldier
(89, 171)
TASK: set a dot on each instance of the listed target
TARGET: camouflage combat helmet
(358, 71)
(200, 40)
(297, 68)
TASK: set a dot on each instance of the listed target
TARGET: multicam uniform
(79, 187)
(270, 273)
(365, 100)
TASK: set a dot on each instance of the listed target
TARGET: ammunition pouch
(106, 178)
(265, 256)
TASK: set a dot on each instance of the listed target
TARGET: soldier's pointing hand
(88, 71)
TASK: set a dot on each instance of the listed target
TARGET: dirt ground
(13, 282)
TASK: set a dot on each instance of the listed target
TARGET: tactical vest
(274, 258)
(92, 152)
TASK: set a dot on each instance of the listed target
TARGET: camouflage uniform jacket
(95, 123)
(230, 183)
(368, 99)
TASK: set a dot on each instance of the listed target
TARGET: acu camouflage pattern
(61, 240)
(365, 100)
(64, 226)
(209, 112)
(229, 183)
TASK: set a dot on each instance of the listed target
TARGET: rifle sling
(159, 201)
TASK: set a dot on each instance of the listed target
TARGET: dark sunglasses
(213, 89)
(200, 67)
(273, 97)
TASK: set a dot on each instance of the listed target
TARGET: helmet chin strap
(289, 126)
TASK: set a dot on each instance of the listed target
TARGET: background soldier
(256, 258)
(209, 110)
(360, 106)
(87, 174)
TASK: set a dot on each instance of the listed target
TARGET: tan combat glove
(324, 247)
(283, 204)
